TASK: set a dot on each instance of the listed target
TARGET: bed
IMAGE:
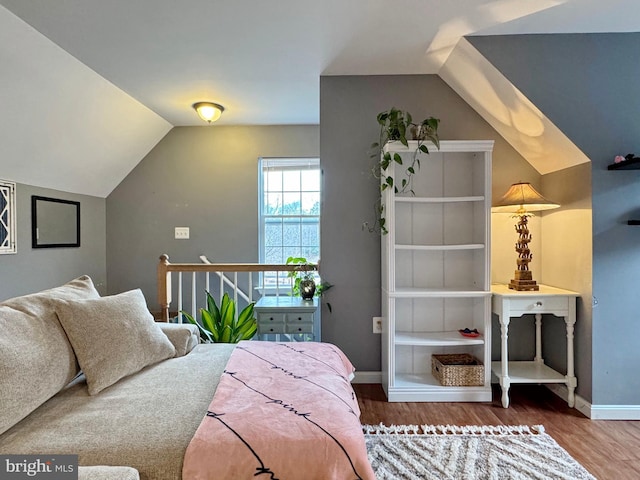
(256, 409)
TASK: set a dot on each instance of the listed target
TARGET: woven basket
(457, 369)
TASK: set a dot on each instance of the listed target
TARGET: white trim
(367, 377)
(583, 406)
(594, 412)
(599, 412)
(615, 412)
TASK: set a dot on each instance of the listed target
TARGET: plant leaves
(397, 158)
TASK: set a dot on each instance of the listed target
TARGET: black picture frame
(55, 223)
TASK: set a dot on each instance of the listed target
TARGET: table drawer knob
(538, 303)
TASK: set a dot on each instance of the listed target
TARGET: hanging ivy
(396, 125)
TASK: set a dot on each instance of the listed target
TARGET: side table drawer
(266, 328)
(299, 318)
(539, 304)
(299, 327)
(268, 318)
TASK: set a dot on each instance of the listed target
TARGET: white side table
(507, 304)
(285, 318)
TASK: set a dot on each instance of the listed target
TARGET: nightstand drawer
(299, 327)
(539, 304)
(295, 318)
(266, 328)
(268, 318)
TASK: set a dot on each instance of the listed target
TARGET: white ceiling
(67, 89)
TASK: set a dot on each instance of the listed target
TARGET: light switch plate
(182, 233)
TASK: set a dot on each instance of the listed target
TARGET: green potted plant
(221, 325)
(304, 280)
(395, 125)
(304, 283)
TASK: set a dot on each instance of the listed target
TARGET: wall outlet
(377, 324)
(182, 233)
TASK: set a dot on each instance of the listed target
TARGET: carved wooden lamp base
(522, 199)
(523, 281)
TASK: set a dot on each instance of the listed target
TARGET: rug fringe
(454, 429)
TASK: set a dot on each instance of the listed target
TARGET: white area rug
(409, 452)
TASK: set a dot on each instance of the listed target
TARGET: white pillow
(113, 337)
(36, 359)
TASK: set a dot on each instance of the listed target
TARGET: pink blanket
(281, 411)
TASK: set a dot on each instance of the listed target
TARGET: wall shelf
(633, 164)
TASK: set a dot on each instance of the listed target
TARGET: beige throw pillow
(36, 359)
(113, 337)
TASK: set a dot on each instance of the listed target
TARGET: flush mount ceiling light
(209, 112)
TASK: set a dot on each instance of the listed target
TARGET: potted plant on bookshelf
(396, 125)
(220, 325)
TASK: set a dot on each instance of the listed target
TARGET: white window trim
(8, 192)
(261, 238)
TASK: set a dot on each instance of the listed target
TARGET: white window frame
(298, 163)
(7, 217)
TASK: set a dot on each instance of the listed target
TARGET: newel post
(164, 287)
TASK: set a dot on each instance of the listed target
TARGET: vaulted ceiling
(88, 87)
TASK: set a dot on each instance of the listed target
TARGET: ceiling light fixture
(209, 112)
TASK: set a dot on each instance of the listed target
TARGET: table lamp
(522, 199)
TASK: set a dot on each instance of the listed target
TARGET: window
(7, 217)
(289, 210)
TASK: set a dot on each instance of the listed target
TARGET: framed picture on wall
(7, 217)
(55, 222)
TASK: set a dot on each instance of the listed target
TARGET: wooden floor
(608, 449)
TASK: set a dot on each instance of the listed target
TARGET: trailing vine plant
(396, 125)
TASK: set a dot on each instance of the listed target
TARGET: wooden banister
(165, 268)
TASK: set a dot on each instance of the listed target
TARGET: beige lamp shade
(209, 112)
(522, 198)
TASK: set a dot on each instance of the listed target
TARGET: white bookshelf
(435, 269)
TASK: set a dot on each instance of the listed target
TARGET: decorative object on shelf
(208, 111)
(467, 332)
(628, 162)
(457, 369)
(220, 325)
(394, 126)
(522, 199)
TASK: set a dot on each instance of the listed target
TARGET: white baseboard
(594, 412)
(615, 412)
(367, 377)
(581, 405)
(599, 412)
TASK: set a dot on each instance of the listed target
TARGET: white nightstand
(285, 318)
(508, 303)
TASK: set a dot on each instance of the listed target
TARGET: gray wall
(566, 262)
(351, 255)
(204, 178)
(588, 86)
(31, 270)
